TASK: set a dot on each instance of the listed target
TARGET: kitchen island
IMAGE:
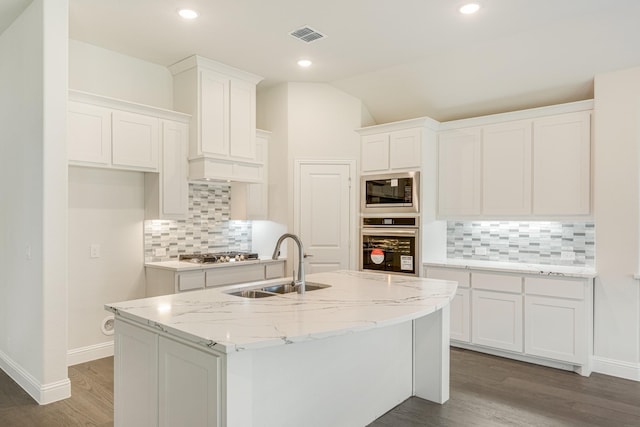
(340, 355)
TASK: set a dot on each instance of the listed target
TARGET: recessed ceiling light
(470, 8)
(188, 13)
(304, 63)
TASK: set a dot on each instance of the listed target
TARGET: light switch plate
(160, 252)
(95, 250)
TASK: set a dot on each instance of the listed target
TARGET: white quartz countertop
(355, 301)
(186, 266)
(512, 267)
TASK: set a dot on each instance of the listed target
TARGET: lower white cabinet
(161, 382)
(497, 320)
(188, 385)
(542, 319)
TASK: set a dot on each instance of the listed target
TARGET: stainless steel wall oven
(390, 245)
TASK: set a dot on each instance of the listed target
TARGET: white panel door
(175, 169)
(404, 149)
(242, 122)
(459, 172)
(506, 169)
(135, 140)
(214, 114)
(562, 164)
(375, 152)
(497, 320)
(460, 316)
(189, 386)
(89, 138)
(555, 328)
(324, 203)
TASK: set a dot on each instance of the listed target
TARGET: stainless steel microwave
(390, 193)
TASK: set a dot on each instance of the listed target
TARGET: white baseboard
(41, 393)
(616, 368)
(89, 353)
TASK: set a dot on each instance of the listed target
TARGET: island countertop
(355, 301)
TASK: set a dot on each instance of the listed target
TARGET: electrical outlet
(567, 255)
(160, 252)
(481, 250)
(95, 250)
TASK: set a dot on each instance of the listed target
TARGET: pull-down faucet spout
(300, 282)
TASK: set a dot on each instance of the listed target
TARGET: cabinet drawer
(460, 276)
(189, 280)
(235, 274)
(496, 282)
(274, 271)
(560, 288)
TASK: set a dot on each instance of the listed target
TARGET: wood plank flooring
(485, 391)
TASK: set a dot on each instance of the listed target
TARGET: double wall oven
(391, 244)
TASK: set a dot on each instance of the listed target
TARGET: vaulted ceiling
(403, 58)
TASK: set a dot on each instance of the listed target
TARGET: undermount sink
(276, 289)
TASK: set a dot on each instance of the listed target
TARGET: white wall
(33, 179)
(105, 72)
(107, 207)
(616, 210)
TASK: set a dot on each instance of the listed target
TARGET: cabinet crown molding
(202, 62)
(422, 122)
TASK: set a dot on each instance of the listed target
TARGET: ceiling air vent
(307, 34)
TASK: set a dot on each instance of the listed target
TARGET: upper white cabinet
(89, 134)
(394, 147)
(135, 140)
(538, 166)
(459, 172)
(222, 102)
(562, 164)
(251, 201)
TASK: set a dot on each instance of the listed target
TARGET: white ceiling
(403, 58)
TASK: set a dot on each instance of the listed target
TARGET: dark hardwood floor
(485, 391)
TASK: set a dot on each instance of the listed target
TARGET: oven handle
(390, 232)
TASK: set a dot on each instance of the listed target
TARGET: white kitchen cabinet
(506, 168)
(167, 193)
(222, 102)
(459, 172)
(497, 320)
(391, 151)
(89, 134)
(556, 319)
(460, 308)
(135, 376)
(188, 385)
(235, 274)
(135, 140)
(562, 164)
(251, 201)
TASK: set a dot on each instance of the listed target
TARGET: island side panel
(345, 380)
(431, 356)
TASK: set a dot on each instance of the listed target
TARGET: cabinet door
(89, 138)
(242, 116)
(562, 164)
(497, 320)
(375, 152)
(460, 327)
(459, 172)
(135, 376)
(135, 140)
(174, 172)
(190, 280)
(213, 116)
(189, 390)
(405, 149)
(506, 169)
(555, 328)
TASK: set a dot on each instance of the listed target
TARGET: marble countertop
(513, 267)
(186, 266)
(356, 301)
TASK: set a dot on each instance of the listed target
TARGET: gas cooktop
(210, 258)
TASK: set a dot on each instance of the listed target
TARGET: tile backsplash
(536, 242)
(207, 227)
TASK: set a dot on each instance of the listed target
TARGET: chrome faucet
(300, 283)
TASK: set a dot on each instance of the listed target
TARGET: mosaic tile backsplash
(206, 229)
(535, 242)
